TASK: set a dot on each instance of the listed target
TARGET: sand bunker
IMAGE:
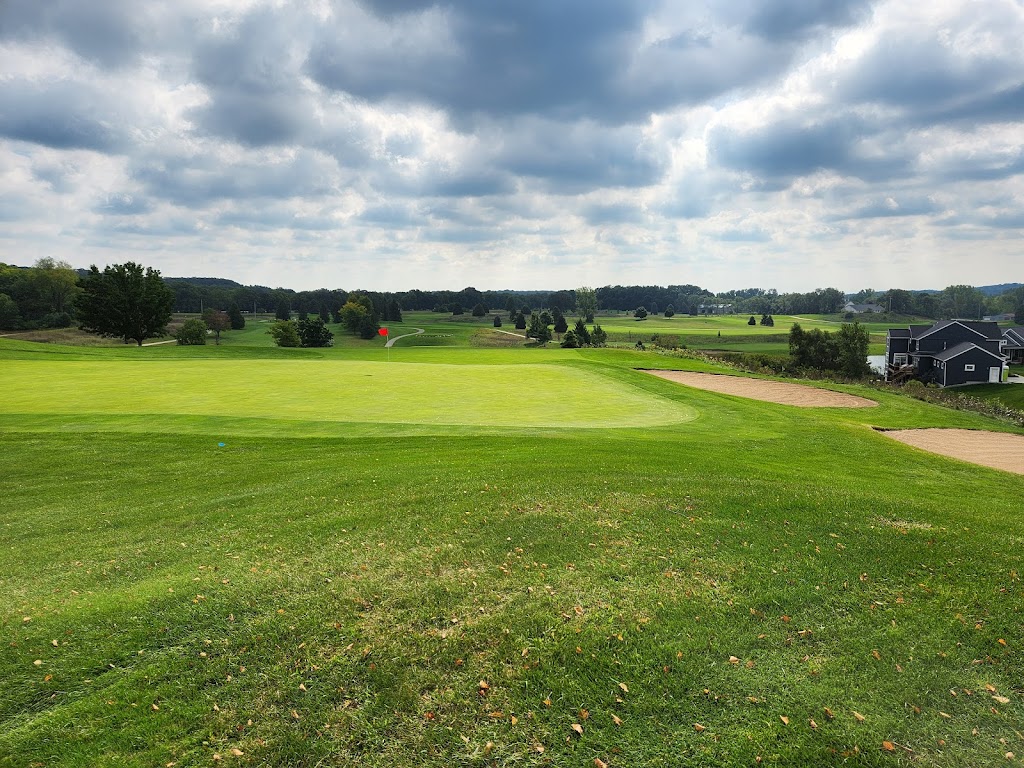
(990, 449)
(770, 391)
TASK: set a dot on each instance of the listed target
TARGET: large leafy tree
(586, 303)
(125, 301)
(217, 321)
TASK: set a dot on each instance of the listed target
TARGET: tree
(352, 315)
(192, 332)
(284, 311)
(457, 309)
(313, 332)
(598, 336)
(324, 314)
(368, 327)
(479, 310)
(57, 284)
(546, 318)
(586, 303)
(237, 319)
(216, 321)
(852, 350)
(570, 341)
(10, 315)
(640, 313)
(520, 322)
(394, 313)
(538, 329)
(581, 333)
(510, 307)
(751, 321)
(767, 320)
(961, 301)
(285, 333)
(560, 322)
(670, 311)
(497, 321)
(125, 301)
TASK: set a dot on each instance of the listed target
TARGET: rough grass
(311, 600)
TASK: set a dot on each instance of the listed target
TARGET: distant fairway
(337, 391)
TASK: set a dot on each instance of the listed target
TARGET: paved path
(416, 332)
(517, 335)
(154, 343)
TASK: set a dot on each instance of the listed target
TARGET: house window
(969, 367)
(899, 359)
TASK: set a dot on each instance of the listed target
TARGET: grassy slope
(337, 600)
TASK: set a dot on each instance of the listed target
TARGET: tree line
(45, 296)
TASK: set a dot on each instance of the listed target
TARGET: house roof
(899, 333)
(1014, 335)
(959, 349)
(984, 329)
(916, 331)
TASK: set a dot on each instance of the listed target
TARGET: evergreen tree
(236, 317)
(284, 312)
(560, 323)
(497, 321)
(520, 322)
(598, 336)
(479, 310)
(581, 333)
(751, 321)
(640, 313)
(670, 311)
(538, 329)
(325, 316)
(368, 327)
(570, 341)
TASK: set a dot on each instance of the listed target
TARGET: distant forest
(44, 296)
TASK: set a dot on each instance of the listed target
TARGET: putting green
(335, 391)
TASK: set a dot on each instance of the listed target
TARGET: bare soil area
(769, 391)
(998, 450)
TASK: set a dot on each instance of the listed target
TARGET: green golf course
(459, 554)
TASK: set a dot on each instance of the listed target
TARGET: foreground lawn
(757, 581)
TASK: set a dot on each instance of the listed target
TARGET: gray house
(1014, 347)
(950, 353)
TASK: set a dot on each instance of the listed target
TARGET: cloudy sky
(392, 144)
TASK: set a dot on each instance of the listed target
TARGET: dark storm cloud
(60, 114)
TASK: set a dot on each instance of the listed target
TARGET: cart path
(416, 332)
(517, 335)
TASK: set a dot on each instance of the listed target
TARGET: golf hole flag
(382, 331)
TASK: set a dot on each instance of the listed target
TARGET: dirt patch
(998, 450)
(769, 391)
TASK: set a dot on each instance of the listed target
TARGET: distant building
(715, 309)
(1014, 347)
(860, 309)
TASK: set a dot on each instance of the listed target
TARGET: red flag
(382, 331)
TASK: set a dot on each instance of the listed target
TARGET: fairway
(243, 555)
(336, 391)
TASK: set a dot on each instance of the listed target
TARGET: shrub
(192, 332)
(497, 321)
(313, 333)
(640, 313)
(285, 333)
(56, 320)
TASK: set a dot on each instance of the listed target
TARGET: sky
(518, 144)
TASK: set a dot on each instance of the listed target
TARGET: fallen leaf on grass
(699, 728)
(616, 720)
(624, 687)
(578, 728)
(814, 725)
(945, 714)
(859, 717)
(600, 763)
(1001, 699)
(828, 713)
(237, 752)
(888, 746)
(784, 719)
